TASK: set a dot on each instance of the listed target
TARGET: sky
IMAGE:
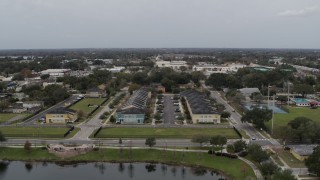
(46, 24)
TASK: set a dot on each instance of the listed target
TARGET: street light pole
(272, 115)
(268, 94)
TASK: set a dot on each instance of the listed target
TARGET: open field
(186, 133)
(83, 104)
(233, 168)
(35, 132)
(283, 119)
(7, 116)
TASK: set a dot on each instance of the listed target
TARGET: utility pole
(268, 95)
(272, 115)
(288, 93)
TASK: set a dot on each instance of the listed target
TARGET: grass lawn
(6, 116)
(283, 119)
(164, 132)
(83, 104)
(35, 132)
(233, 168)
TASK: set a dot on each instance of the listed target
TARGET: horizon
(56, 24)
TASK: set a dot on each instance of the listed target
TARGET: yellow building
(301, 152)
(200, 108)
(61, 116)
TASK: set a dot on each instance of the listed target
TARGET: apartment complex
(200, 108)
(61, 116)
(133, 111)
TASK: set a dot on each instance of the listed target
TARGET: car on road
(177, 110)
(176, 104)
(253, 138)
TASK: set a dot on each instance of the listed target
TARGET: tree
(196, 76)
(157, 116)
(257, 154)
(45, 76)
(27, 146)
(2, 137)
(284, 175)
(3, 105)
(200, 139)
(257, 116)
(225, 114)
(304, 128)
(303, 89)
(313, 163)
(256, 96)
(112, 119)
(218, 141)
(217, 80)
(268, 169)
(133, 87)
(81, 114)
(239, 146)
(298, 122)
(150, 141)
(18, 77)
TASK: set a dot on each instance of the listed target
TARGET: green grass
(233, 168)
(7, 116)
(164, 132)
(36, 132)
(283, 119)
(83, 104)
(275, 157)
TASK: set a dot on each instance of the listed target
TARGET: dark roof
(62, 110)
(138, 99)
(94, 89)
(131, 110)
(198, 102)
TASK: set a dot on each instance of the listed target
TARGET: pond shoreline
(188, 159)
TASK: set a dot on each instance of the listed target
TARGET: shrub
(232, 156)
(243, 153)
(211, 152)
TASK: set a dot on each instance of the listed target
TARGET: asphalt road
(110, 142)
(32, 120)
(168, 111)
(236, 117)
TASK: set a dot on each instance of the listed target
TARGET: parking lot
(169, 107)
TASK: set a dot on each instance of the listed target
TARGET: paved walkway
(87, 128)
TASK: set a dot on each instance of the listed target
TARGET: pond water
(95, 171)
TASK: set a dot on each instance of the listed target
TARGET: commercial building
(209, 69)
(200, 107)
(176, 65)
(32, 104)
(301, 152)
(133, 111)
(56, 72)
(61, 116)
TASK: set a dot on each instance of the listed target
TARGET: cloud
(301, 12)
